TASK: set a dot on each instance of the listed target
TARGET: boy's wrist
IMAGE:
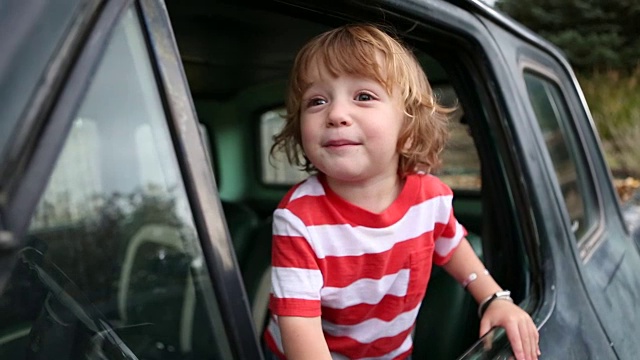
(499, 295)
(473, 277)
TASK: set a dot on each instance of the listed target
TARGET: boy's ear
(407, 133)
(408, 143)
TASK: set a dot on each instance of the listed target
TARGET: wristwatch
(484, 304)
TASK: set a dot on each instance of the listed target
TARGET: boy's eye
(364, 97)
(315, 102)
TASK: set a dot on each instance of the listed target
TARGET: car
(137, 187)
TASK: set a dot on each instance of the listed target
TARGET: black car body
(136, 187)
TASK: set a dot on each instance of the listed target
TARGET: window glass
(460, 168)
(31, 33)
(553, 117)
(113, 268)
(276, 169)
(460, 163)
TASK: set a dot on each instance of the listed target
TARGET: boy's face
(350, 127)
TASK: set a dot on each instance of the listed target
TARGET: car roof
(494, 15)
(217, 66)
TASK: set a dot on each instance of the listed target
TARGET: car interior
(237, 62)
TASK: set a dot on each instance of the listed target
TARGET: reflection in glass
(115, 224)
(551, 113)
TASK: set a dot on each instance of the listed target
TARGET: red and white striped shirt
(365, 274)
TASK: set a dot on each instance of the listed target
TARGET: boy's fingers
(528, 341)
(485, 327)
(515, 338)
(522, 334)
(536, 338)
(531, 337)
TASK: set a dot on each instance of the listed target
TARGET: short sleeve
(296, 277)
(450, 232)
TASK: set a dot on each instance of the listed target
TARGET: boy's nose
(338, 115)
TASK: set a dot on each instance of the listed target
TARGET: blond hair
(355, 50)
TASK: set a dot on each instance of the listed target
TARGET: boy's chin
(347, 176)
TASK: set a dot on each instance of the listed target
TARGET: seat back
(256, 273)
(155, 281)
(241, 222)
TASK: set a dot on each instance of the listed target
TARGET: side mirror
(628, 189)
(629, 192)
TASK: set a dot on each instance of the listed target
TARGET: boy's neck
(374, 195)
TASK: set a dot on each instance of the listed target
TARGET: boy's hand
(521, 331)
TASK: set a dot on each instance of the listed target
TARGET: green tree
(595, 34)
(601, 39)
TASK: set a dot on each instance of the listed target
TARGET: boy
(353, 245)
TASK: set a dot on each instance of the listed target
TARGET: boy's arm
(464, 262)
(521, 331)
(302, 338)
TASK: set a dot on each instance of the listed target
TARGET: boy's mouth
(339, 143)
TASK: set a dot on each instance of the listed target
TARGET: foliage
(600, 38)
(595, 34)
(614, 101)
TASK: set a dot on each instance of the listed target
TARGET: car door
(604, 251)
(114, 245)
(587, 254)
